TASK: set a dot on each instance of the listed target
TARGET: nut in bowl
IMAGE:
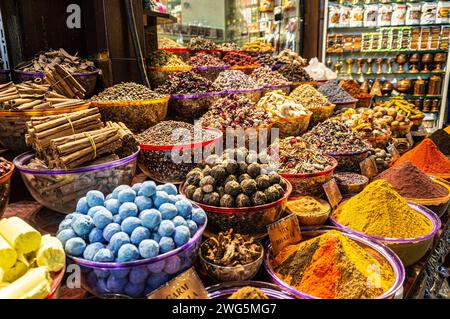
(231, 257)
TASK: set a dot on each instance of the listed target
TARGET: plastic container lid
(23, 159)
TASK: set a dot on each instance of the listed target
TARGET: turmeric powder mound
(333, 266)
(380, 211)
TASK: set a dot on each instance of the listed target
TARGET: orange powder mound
(447, 129)
(427, 157)
(322, 276)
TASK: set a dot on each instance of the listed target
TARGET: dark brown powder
(442, 140)
(411, 182)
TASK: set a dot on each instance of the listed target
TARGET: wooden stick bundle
(62, 82)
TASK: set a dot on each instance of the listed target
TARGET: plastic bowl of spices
(192, 105)
(6, 171)
(103, 278)
(228, 289)
(157, 161)
(236, 82)
(306, 282)
(409, 233)
(160, 75)
(231, 257)
(309, 210)
(13, 125)
(59, 190)
(351, 183)
(210, 72)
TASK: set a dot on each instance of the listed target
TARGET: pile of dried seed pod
(297, 156)
(281, 106)
(164, 59)
(202, 59)
(200, 43)
(187, 82)
(237, 58)
(166, 43)
(288, 56)
(334, 93)
(235, 111)
(236, 80)
(228, 46)
(230, 249)
(230, 183)
(128, 91)
(266, 77)
(295, 73)
(308, 96)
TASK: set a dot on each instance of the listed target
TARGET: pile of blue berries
(131, 223)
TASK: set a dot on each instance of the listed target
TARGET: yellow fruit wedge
(2, 273)
(8, 255)
(21, 236)
(51, 254)
(17, 271)
(35, 284)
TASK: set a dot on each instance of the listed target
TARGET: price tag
(186, 286)
(284, 232)
(393, 151)
(369, 167)
(333, 192)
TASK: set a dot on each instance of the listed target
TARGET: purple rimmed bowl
(409, 250)
(225, 290)
(349, 162)
(285, 88)
(4, 76)
(210, 72)
(59, 190)
(138, 278)
(373, 247)
(191, 106)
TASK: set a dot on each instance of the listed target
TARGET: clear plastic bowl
(253, 95)
(136, 115)
(225, 290)
(192, 106)
(140, 276)
(409, 250)
(5, 76)
(310, 184)
(158, 76)
(156, 161)
(417, 123)
(59, 190)
(349, 162)
(294, 126)
(345, 105)
(379, 141)
(251, 221)
(401, 130)
(320, 114)
(210, 72)
(379, 251)
(5, 189)
(13, 125)
(285, 88)
(235, 273)
(315, 219)
(355, 188)
(88, 80)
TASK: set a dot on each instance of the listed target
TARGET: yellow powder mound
(380, 211)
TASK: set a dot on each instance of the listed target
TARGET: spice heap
(235, 80)
(295, 73)
(235, 111)
(352, 87)
(165, 59)
(202, 59)
(380, 211)
(410, 182)
(266, 77)
(166, 43)
(187, 82)
(230, 249)
(258, 46)
(128, 91)
(248, 293)
(199, 43)
(288, 56)
(334, 137)
(427, 157)
(72, 63)
(309, 210)
(281, 106)
(228, 46)
(229, 184)
(334, 93)
(403, 108)
(308, 96)
(266, 59)
(320, 267)
(365, 123)
(296, 156)
(5, 167)
(30, 96)
(442, 140)
(237, 58)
